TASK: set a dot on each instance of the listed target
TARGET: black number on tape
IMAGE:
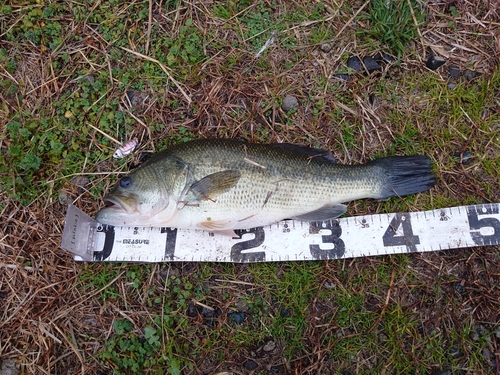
(333, 239)
(170, 242)
(407, 239)
(109, 240)
(236, 250)
(476, 224)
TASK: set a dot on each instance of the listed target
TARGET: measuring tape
(288, 240)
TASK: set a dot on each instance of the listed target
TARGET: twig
(418, 28)
(104, 134)
(163, 67)
(150, 21)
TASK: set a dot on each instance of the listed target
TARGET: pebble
(192, 311)
(65, 198)
(486, 354)
(275, 369)
(459, 288)
(237, 317)
(371, 65)
(270, 346)
(463, 157)
(434, 62)
(341, 76)
(442, 372)
(451, 86)
(289, 102)
(250, 364)
(80, 181)
(326, 47)
(286, 312)
(383, 58)
(371, 99)
(354, 63)
(470, 74)
(9, 367)
(456, 352)
(454, 71)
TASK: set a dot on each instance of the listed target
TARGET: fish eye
(126, 182)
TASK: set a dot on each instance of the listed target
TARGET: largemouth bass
(221, 185)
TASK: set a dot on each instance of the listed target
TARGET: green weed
(391, 23)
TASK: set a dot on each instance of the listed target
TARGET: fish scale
(220, 185)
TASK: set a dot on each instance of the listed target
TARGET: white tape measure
(289, 240)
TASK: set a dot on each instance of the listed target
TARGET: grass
(69, 90)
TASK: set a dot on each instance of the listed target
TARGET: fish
(126, 149)
(222, 185)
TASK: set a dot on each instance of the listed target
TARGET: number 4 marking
(408, 239)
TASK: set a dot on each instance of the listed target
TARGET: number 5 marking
(476, 224)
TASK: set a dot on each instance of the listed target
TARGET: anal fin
(330, 211)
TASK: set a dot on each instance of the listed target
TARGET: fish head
(145, 197)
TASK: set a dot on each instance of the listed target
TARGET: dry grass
(58, 315)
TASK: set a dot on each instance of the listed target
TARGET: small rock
(383, 58)
(474, 336)
(341, 76)
(289, 102)
(371, 65)
(329, 285)
(451, 86)
(497, 333)
(192, 311)
(442, 372)
(456, 352)
(276, 369)
(241, 305)
(434, 62)
(486, 354)
(270, 346)
(325, 47)
(459, 288)
(371, 99)
(454, 71)
(250, 364)
(9, 367)
(207, 313)
(65, 198)
(286, 312)
(237, 317)
(464, 157)
(80, 181)
(354, 63)
(470, 74)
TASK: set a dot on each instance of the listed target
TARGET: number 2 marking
(236, 250)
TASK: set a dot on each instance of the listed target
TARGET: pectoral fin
(213, 185)
(220, 227)
(324, 213)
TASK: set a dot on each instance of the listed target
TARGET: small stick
(163, 67)
(104, 134)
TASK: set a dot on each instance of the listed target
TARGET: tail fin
(405, 175)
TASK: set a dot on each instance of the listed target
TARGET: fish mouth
(121, 204)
